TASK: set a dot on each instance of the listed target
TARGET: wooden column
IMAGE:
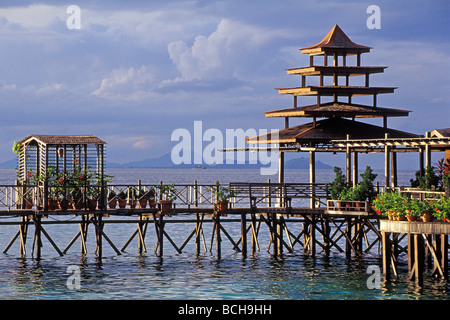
(281, 167)
(244, 234)
(387, 152)
(218, 237)
(386, 252)
(37, 242)
(427, 152)
(312, 176)
(393, 168)
(348, 162)
(355, 168)
(418, 256)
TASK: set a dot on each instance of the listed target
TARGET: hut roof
(335, 41)
(329, 129)
(337, 109)
(64, 139)
(441, 133)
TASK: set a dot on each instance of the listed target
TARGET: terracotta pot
(142, 203)
(77, 204)
(122, 203)
(340, 206)
(222, 205)
(152, 203)
(410, 218)
(132, 203)
(401, 218)
(112, 203)
(166, 205)
(427, 216)
(52, 204)
(64, 204)
(92, 204)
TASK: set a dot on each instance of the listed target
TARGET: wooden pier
(272, 205)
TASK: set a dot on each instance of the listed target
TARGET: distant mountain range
(165, 161)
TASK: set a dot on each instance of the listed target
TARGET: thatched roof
(63, 139)
(337, 109)
(326, 130)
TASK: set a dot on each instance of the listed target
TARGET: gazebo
(50, 161)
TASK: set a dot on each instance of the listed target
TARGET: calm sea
(188, 276)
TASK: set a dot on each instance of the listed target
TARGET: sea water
(188, 276)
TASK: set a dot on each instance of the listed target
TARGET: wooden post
(386, 252)
(393, 168)
(348, 162)
(161, 235)
(348, 232)
(419, 256)
(98, 234)
(218, 238)
(142, 230)
(23, 228)
(355, 168)
(244, 234)
(312, 177)
(386, 162)
(312, 234)
(281, 166)
(37, 242)
(83, 233)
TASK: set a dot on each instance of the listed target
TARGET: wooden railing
(36, 197)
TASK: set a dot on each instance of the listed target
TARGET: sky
(135, 71)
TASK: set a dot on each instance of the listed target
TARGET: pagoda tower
(334, 103)
(337, 45)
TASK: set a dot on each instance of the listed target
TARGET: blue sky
(137, 70)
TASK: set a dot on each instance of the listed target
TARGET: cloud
(128, 84)
(225, 53)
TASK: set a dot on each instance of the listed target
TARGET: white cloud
(128, 84)
(225, 53)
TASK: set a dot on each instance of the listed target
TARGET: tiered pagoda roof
(335, 44)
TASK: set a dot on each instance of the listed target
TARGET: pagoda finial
(335, 41)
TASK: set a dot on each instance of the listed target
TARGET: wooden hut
(45, 157)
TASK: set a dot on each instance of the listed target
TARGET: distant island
(165, 161)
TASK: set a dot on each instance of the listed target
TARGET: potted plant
(150, 196)
(142, 198)
(168, 195)
(223, 194)
(337, 186)
(121, 198)
(132, 197)
(112, 199)
(427, 210)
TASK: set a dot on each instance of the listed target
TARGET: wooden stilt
(84, 224)
(386, 252)
(142, 230)
(218, 237)
(23, 228)
(244, 234)
(37, 242)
